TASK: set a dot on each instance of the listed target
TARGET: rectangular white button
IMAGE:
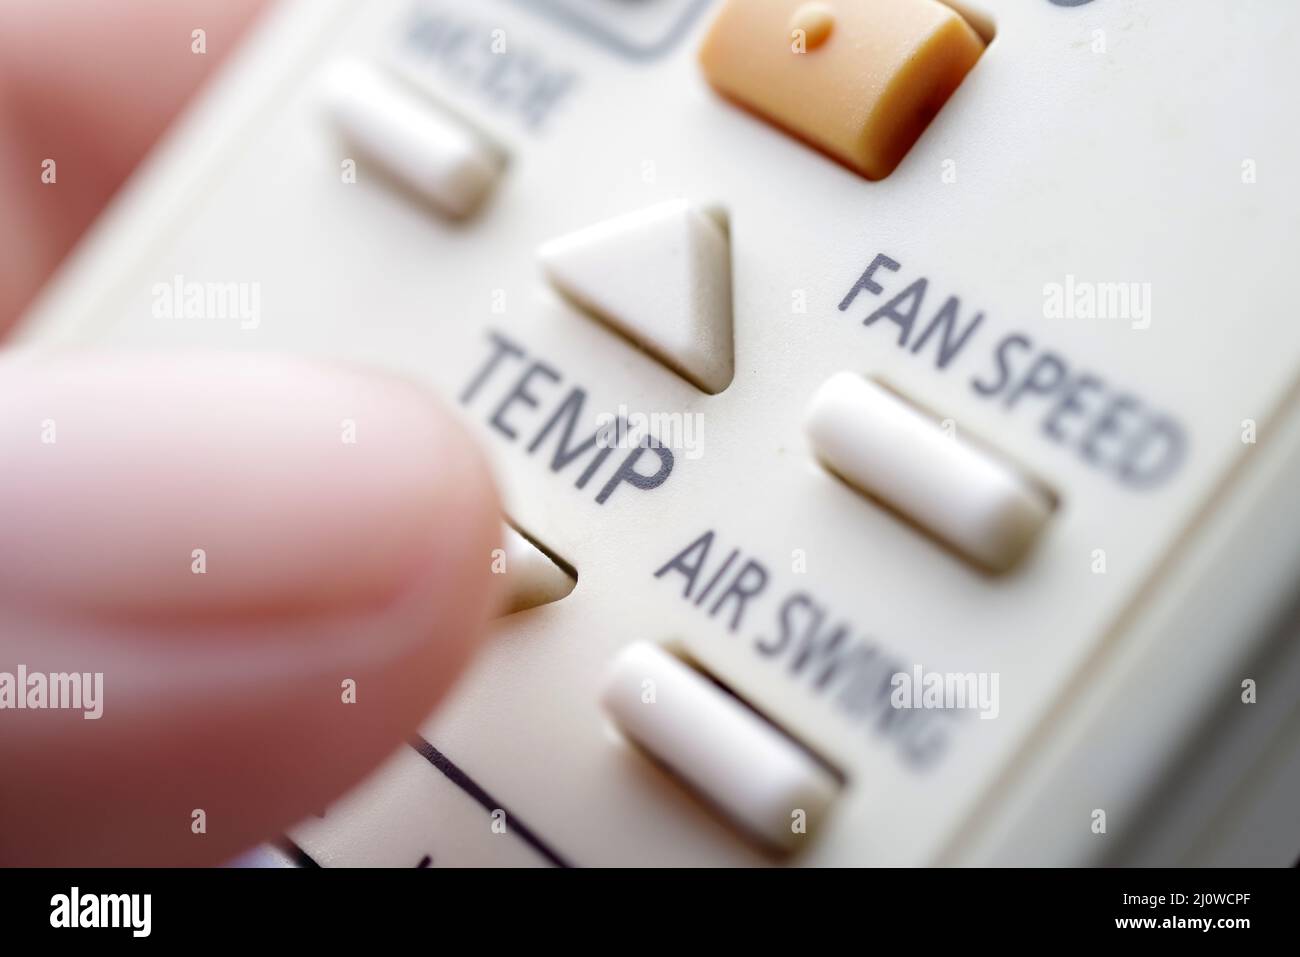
(423, 147)
(743, 765)
(882, 445)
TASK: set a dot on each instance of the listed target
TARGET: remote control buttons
(740, 763)
(883, 446)
(859, 79)
(662, 277)
(532, 577)
(417, 143)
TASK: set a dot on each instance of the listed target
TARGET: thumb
(276, 567)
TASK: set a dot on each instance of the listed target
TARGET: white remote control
(898, 404)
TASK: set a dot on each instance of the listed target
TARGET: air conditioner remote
(836, 360)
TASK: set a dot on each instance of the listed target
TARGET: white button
(882, 445)
(738, 761)
(420, 145)
(532, 577)
(661, 276)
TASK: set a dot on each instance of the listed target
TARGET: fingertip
(258, 698)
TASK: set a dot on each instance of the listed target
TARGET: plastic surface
(532, 578)
(876, 442)
(756, 776)
(662, 276)
(859, 79)
(427, 150)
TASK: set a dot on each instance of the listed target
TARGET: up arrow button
(660, 276)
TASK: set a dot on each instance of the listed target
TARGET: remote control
(896, 403)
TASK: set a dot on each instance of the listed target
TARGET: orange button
(858, 79)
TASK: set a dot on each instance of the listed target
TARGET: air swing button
(769, 785)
